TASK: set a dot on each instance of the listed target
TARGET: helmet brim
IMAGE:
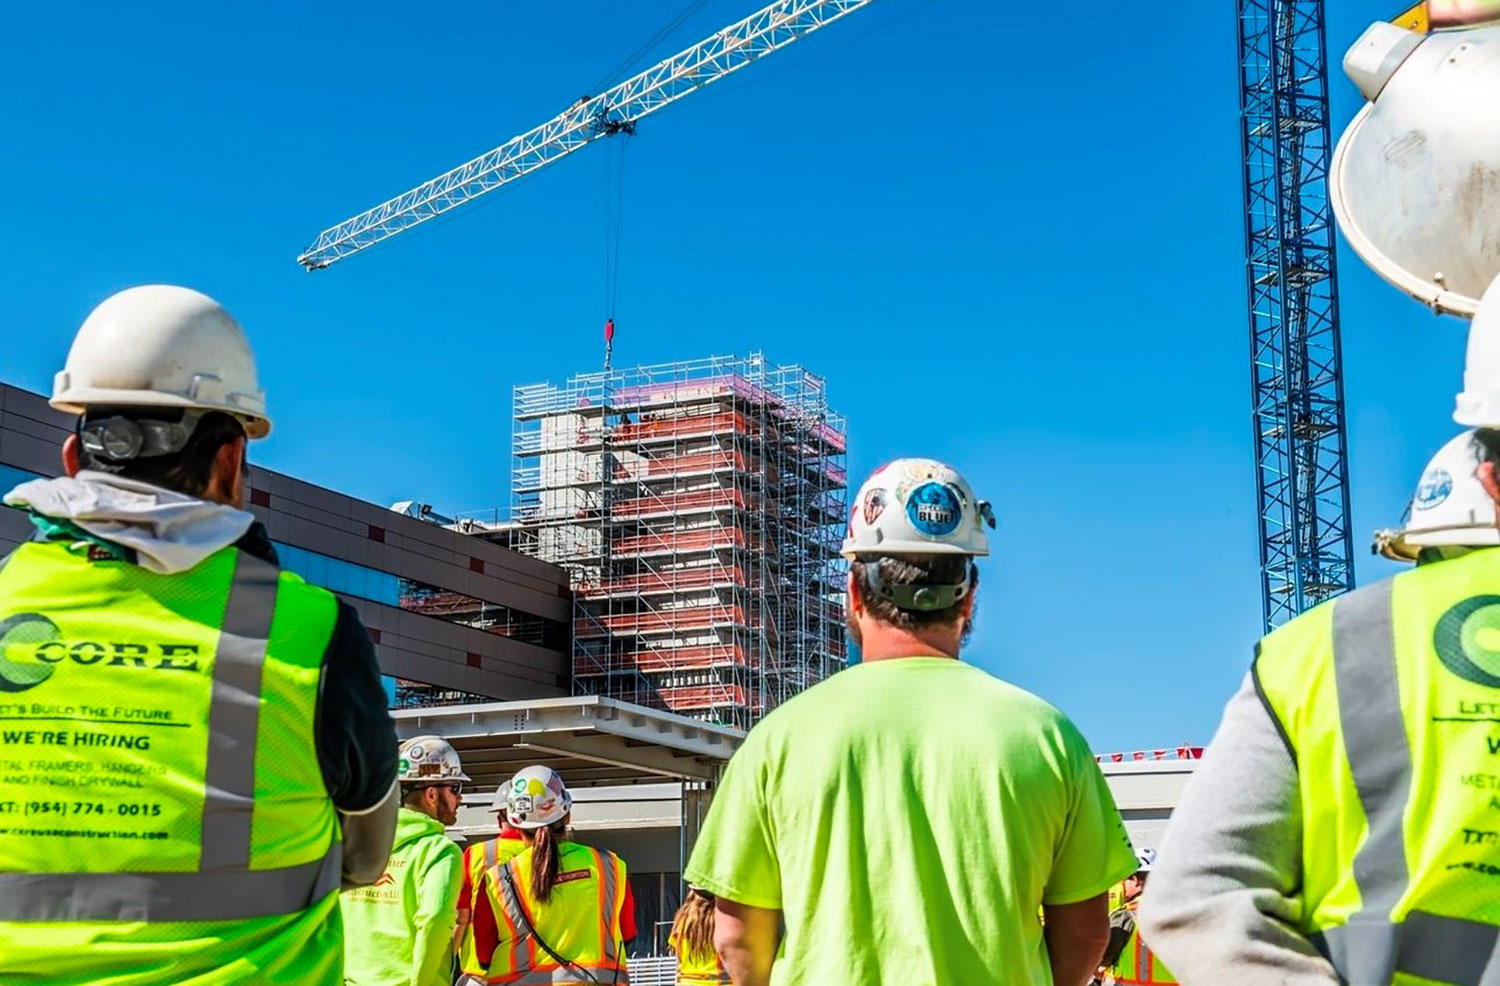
(77, 400)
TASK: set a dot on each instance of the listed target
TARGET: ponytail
(545, 861)
(693, 927)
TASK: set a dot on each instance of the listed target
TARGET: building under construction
(698, 507)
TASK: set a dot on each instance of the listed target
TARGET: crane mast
(614, 111)
(1301, 462)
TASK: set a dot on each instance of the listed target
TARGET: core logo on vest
(32, 646)
(933, 510)
(1467, 640)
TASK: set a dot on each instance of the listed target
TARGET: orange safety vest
(698, 969)
(478, 858)
(580, 922)
(1139, 966)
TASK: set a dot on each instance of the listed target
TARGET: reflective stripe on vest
(223, 887)
(503, 878)
(1368, 642)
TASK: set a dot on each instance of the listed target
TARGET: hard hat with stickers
(917, 507)
(536, 798)
(429, 760)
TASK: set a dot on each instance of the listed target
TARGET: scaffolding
(698, 507)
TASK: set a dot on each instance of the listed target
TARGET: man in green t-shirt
(904, 822)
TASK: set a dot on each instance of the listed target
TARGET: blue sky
(1006, 243)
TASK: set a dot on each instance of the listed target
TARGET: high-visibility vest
(1138, 966)
(1388, 698)
(163, 816)
(477, 859)
(580, 921)
(698, 968)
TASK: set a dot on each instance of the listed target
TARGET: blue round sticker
(933, 510)
(1433, 489)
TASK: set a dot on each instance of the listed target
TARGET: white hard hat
(536, 797)
(1412, 179)
(1478, 404)
(1450, 507)
(917, 507)
(429, 760)
(162, 346)
(1144, 860)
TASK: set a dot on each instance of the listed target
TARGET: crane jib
(612, 112)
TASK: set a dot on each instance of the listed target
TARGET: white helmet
(429, 760)
(1450, 507)
(936, 513)
(162, 346)
(1412, 184)
(1478, 404)
(1144, 860)
(536, 797)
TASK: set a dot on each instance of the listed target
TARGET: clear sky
(1008, 243)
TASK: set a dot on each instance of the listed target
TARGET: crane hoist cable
(630, 60)
(614, 208)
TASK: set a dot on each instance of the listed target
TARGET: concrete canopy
(592, 741)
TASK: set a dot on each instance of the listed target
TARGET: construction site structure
(699, 508)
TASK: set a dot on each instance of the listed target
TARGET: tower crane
(1301, 457)
(612, 112)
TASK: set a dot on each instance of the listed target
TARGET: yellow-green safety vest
(1389, 700)
(478, 859)
(698, 968)
(163, 817)
(580, 922)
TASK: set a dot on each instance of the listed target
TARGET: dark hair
(187, 471)
(1486, 444)
(915, 570)
(545, 861)
(693, 927)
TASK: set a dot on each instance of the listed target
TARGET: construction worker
(907, 818)
(692, 941)
(566, 909)
(1135, 965)
(197, 746)
(400, 931)
(1341, 828)
(479, 857)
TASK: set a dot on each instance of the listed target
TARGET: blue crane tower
(1301, 462)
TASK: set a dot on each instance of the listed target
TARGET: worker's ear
(856, 605)
(1490, 480)
(227, 483)
(70, 455)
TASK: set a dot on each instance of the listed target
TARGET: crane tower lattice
(1301, 462)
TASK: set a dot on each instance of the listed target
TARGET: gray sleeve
(1221, 903)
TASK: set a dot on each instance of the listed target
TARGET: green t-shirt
(909, 818)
